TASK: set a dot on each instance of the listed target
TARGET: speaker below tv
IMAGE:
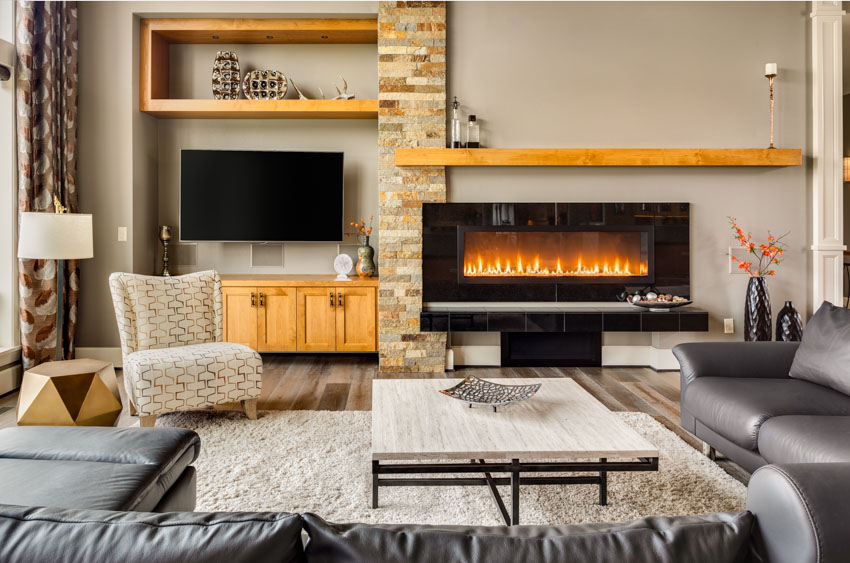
(261, 196)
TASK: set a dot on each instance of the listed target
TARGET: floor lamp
(56, 236)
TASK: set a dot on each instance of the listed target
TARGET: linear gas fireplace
(550, 252)
(565, 254)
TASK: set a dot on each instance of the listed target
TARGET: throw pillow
(824, 353)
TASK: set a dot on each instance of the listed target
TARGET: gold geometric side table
(69, 393)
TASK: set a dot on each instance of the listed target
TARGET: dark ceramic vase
(789, 325)
(757, 316)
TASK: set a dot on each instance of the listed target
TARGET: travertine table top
(411, 420)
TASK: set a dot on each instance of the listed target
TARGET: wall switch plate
(728, 326)
(738, 253)
(122, 234)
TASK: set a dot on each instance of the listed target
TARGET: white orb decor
(342, 265)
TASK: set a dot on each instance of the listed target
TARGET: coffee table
(562, 429)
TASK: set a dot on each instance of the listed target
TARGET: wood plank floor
(332, 382)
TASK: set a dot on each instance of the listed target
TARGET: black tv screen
(260, 196)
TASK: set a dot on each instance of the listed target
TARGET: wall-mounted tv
(260, 196)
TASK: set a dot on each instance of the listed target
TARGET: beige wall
(9, 198)
(672, 74)
(537, 75)
(119, 150)
(310, 66)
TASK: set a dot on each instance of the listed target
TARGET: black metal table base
(514, 468)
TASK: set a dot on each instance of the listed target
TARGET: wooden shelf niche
(597, 157)
(157, 34)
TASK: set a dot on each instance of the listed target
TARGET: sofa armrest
(734, 359)
(801, 512)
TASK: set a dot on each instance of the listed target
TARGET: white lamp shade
(55, 236)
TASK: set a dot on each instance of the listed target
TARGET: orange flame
(600, 267)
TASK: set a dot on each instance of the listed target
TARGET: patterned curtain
(46, 90)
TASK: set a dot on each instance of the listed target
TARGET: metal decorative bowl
(663, 306)
(479, 392)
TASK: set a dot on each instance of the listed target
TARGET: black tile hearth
(582, 319)
(621, 322)
(544, 322)
(506, 322)
(583, 322)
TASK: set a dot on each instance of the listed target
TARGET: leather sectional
(739, 398)
(98, 468)
(101, 485)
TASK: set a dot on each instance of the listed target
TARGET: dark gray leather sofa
(136, 469)
(738, 397)
(796, 514)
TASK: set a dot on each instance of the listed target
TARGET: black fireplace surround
(553, 252)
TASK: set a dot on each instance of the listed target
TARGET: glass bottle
(472, 133)
(457, 142)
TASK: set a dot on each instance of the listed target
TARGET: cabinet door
(240, 315)
(316, 325)
(355, 319)
(277, 319)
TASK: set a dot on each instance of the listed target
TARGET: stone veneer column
(412, 113)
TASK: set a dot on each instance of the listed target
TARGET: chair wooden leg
(147, 421)
(250, 408)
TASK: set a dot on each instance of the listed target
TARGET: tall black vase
(757, 316)
(789, 325)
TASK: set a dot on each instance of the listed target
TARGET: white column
(827, 152)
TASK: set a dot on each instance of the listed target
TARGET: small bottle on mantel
(457, 142)
(473, 134)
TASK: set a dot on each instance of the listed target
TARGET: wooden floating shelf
(269, 31)
(262, 109)
(597, 157)
(157, 34)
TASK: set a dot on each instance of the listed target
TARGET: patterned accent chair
(174, 359)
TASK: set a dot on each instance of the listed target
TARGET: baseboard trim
(112, 355)
(660, 359)
(477, 355)
(10, 378)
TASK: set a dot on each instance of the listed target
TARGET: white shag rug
(319, 461)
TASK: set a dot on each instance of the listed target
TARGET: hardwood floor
(334, 382)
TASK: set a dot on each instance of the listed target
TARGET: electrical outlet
(728, 326)
(122, 234)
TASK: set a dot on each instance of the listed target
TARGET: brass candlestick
(770, 78)
(165, 236)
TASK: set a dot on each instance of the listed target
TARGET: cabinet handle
(262, 303)
(252, 299)
(331, 295)
(339, 300)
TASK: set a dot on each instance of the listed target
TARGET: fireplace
(565, 254)
(553, 252)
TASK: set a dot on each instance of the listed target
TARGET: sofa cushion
(824, 353)
(805, 439)
(737, 407)
(101, 468)
(717, 539)
(41, 534)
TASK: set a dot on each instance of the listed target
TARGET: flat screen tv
(260, 196)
